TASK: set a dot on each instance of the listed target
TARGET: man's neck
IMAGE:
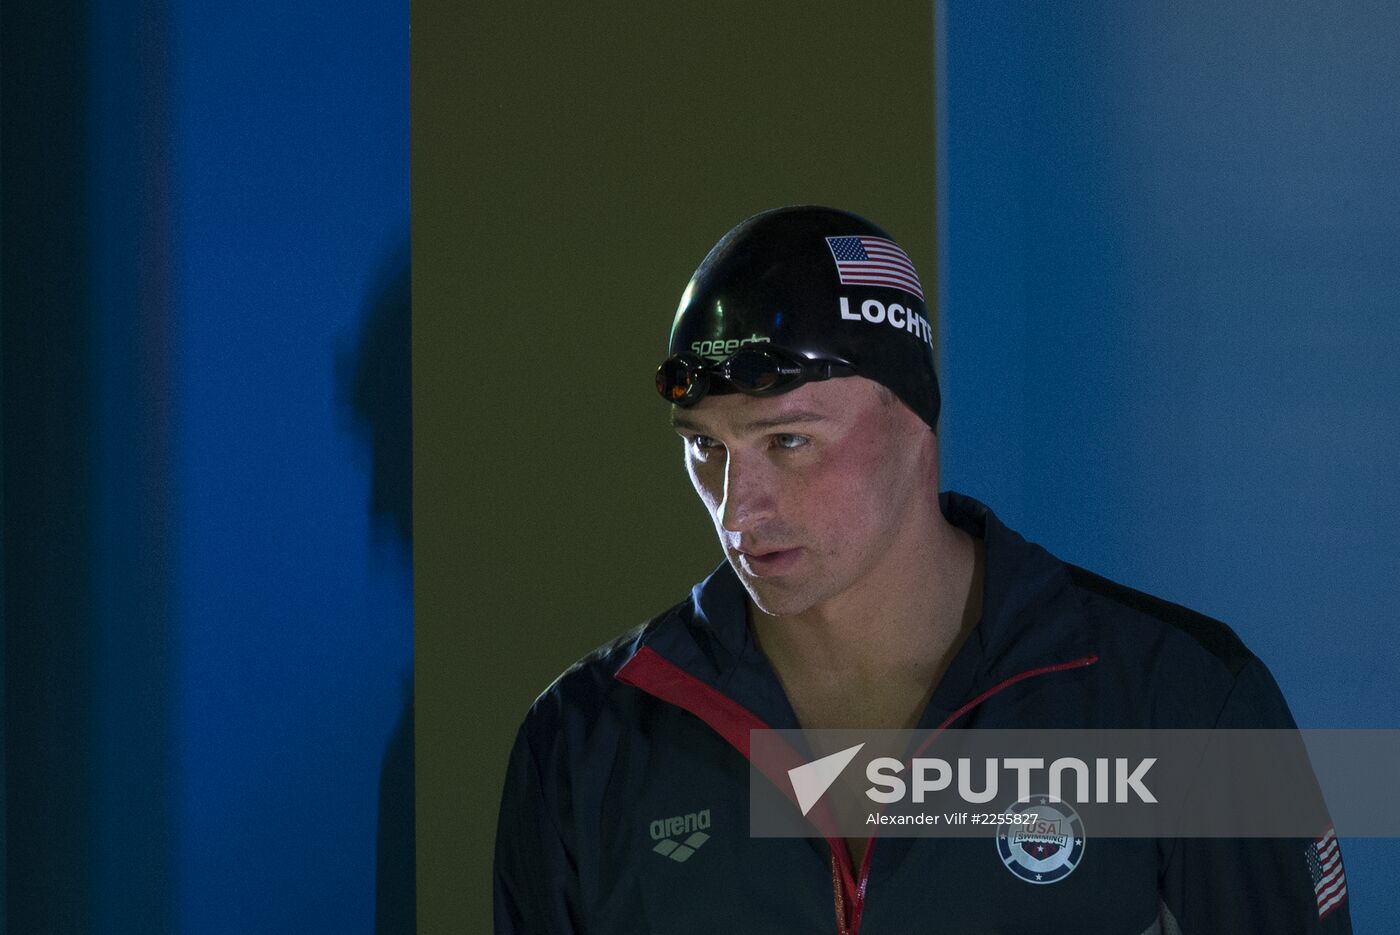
(893, 633)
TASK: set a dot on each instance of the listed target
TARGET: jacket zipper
(848, 894)
(652, 673)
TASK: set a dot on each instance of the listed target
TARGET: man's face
(809, 490)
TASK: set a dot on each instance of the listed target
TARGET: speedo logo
(895, 315)
(691, 829)
(719, 350)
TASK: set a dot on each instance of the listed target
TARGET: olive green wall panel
(572, 163)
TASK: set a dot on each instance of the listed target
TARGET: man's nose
(748, 494)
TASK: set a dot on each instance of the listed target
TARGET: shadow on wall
(375, 385)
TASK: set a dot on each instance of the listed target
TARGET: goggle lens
(757, 371)
(681, 379)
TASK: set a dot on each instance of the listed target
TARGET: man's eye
(789, 441)
(703, 443)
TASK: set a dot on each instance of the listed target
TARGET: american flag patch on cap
(874, 261)
(1329, 879)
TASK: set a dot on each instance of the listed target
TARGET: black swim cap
(817, 283)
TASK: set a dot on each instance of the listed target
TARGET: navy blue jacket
(626, 801)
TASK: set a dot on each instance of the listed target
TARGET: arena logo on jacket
(680, 836)
(1047, 849)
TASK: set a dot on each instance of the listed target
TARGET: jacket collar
(1030, 617)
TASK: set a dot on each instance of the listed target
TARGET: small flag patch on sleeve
(874, 261)
(1329, 879)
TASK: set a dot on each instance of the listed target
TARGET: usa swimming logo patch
(1045, 849)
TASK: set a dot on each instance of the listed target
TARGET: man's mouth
(768, 563)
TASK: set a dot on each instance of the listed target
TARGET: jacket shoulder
(1211, 636)
(588, 688)
(1194, 670)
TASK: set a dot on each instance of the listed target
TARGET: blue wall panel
(1170, 250)
(292, 594)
